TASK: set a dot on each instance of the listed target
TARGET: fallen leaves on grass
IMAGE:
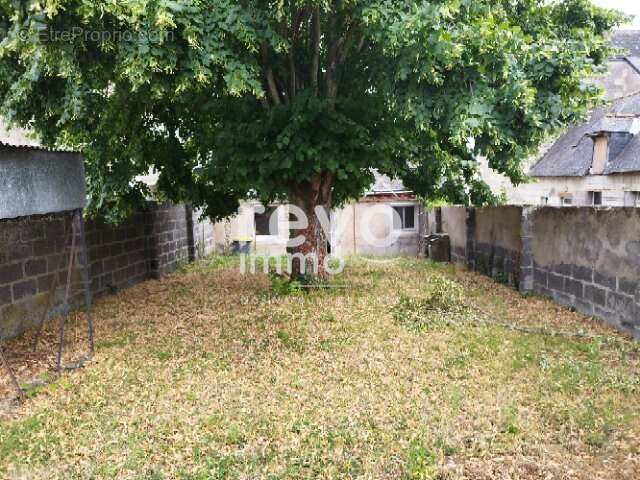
(207, 374)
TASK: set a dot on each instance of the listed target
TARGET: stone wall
(152, 243)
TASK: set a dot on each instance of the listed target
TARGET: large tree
(297, 100)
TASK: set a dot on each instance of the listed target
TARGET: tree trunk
(309, 257)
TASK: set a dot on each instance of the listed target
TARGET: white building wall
(616, 189)
(364, 226)
(351, 227)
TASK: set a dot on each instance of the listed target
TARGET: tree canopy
(285, 98)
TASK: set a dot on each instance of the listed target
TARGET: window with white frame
(404, 217)
(631, 199)
(595, 198)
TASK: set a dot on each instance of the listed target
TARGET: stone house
(598, 161)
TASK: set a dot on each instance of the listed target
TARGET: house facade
(386, 221)
(597, 162)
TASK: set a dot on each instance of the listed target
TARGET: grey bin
(438, 247)
(241, 247)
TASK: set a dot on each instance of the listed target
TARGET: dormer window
(608, 145)
(600, 154)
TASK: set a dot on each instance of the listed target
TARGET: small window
(631, 199)
(262, 222)
(596, 198)
(567, 201)
(405, 218)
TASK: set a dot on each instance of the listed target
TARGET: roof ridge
(38, 148)
(616, 99)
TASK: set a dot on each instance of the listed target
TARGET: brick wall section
(152, 243)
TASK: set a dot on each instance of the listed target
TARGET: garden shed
(41, 188)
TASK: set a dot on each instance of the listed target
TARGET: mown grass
(208, 374)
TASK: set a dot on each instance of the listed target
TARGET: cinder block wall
(168, 236)
(585, 258)
(118, 255)
(497, 243)
(487, 240)
(152, 243)
(589, 259)
(31, 255)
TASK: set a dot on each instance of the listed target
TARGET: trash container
(438, 247)
(241, 247)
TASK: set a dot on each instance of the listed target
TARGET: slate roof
(628, 40)
(572, 154)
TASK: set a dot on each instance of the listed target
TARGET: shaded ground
(208, 374)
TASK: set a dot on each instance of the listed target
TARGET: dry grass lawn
(208, 374)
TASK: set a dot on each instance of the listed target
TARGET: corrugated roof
(384, 184)
(20, 138)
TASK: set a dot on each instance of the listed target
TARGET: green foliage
(443, 303)
(282, 285)
(275, 99)
(420, 463)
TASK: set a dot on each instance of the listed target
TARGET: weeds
(282, 285)
(443, 304)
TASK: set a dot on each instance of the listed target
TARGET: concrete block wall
(31, 255)
(589, 259)
(119, 254)
(152, 243)
(497, 243)
(168, 236)
(487, 240)
(585, 258)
